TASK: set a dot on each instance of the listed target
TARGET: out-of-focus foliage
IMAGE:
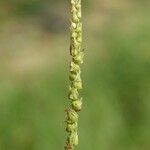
(34, 60)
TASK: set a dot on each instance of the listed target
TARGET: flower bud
(79, 39)
(72, 2)
(78, 6)
(71, 127)
(79, 29)
(74, 34)
(74, 67)
(78, 59)
(73, 9)
(79, 15)
(73, 94)
(73, 25)
(75, 18)
(76, 140)
(72, 116)
(77, 84)
(77, 105)
(73, 139)
(72, 76)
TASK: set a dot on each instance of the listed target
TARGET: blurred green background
(34, 66)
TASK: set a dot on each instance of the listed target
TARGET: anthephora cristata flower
(75, 75)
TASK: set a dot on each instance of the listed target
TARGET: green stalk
(75, 75)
